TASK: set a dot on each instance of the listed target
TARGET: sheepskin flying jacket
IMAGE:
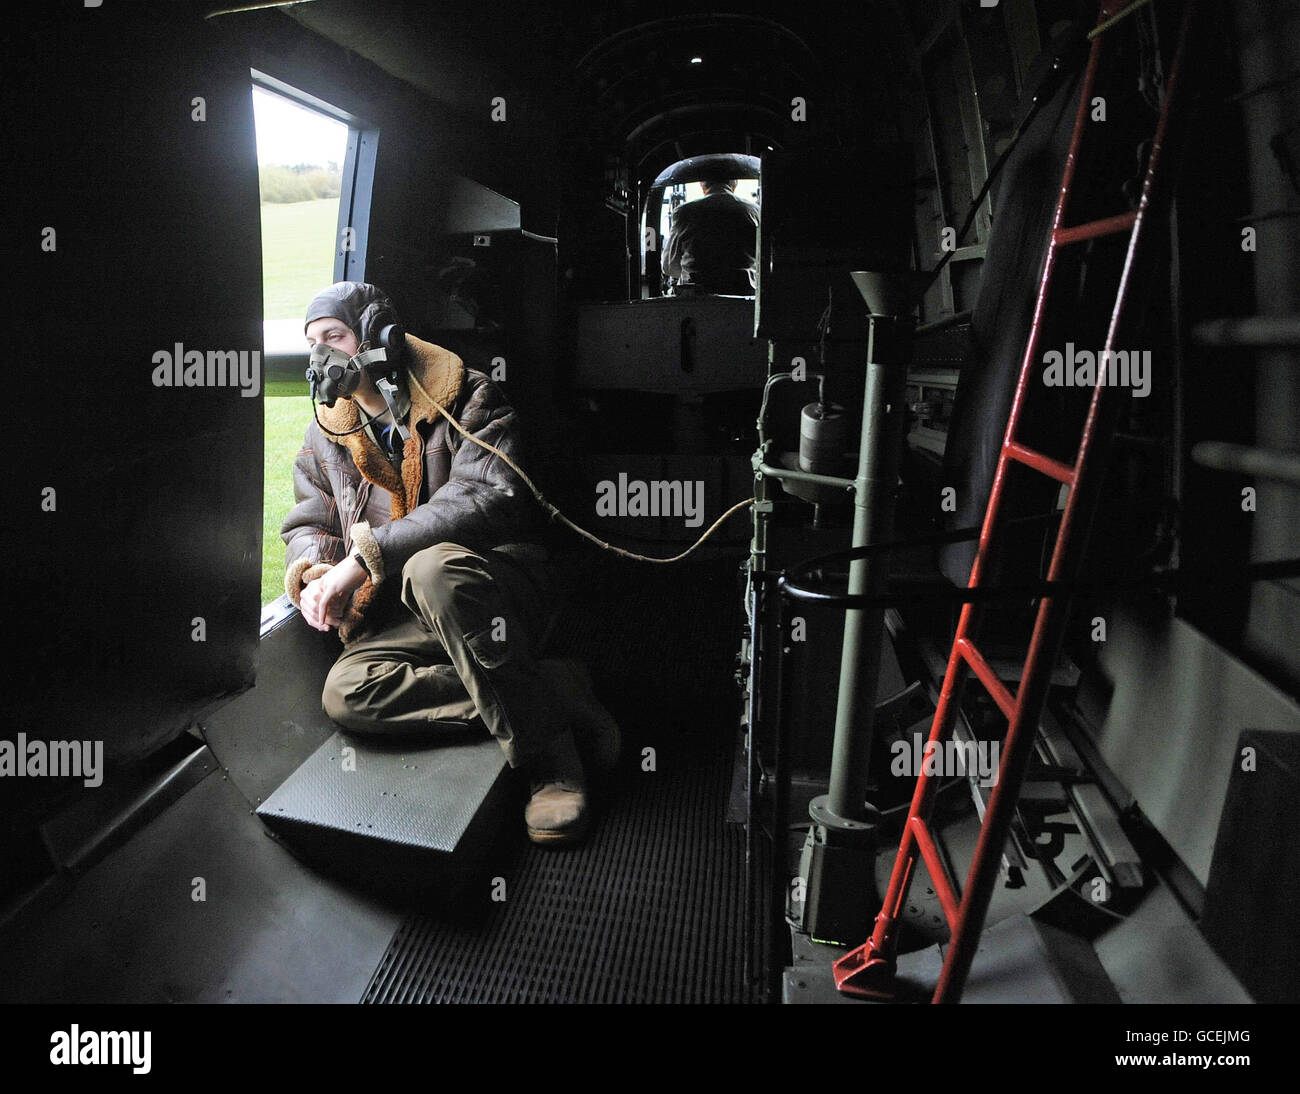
(350, 499)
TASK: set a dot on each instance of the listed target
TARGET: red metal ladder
(869, 969)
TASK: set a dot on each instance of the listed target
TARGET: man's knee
(340, 700)
(433, 578)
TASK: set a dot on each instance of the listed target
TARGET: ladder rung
(1106, 226)
(938, 871)
(987, 677)
(1048, 466)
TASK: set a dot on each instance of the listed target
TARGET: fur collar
(441, 373)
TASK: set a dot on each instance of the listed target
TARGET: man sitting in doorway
(415, 542)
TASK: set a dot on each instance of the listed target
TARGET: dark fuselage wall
(136, 505)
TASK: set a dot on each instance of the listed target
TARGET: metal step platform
(414, 823)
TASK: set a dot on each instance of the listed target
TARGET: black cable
(938, 539)
(1165, 580)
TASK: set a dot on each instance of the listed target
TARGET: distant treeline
(280, 184)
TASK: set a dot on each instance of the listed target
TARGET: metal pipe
(783, 473)
(1263, 331)
(780, 811)
(1243, 460)
(1123, 13)
(255, 7)
(756, 605)
(883, 418)
(943, 324)
(780, 377)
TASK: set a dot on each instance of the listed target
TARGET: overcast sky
(291, 134)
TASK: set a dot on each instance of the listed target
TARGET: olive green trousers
(463, 648)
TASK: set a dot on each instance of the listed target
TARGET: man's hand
(324, 600)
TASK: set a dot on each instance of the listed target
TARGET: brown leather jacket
(350, 499)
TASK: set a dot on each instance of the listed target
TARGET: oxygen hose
(555, 513)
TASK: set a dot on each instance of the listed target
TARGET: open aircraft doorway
(300, 156)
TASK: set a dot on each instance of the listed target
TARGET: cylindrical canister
(823, 438)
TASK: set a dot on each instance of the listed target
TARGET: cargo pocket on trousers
(488, 651)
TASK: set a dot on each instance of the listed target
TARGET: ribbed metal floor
(650, 908)
(649, 911)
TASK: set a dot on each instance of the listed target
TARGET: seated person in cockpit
(712, 242)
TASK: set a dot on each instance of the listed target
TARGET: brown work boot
(557, 807)
(594, 730)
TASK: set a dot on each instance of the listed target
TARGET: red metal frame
(869, 969)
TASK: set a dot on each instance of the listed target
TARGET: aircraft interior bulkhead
(654, 502)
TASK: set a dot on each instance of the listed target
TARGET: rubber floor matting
(650, 908)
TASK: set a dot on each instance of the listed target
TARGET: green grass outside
(297, 254)
(286, 423)
(298, 260)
